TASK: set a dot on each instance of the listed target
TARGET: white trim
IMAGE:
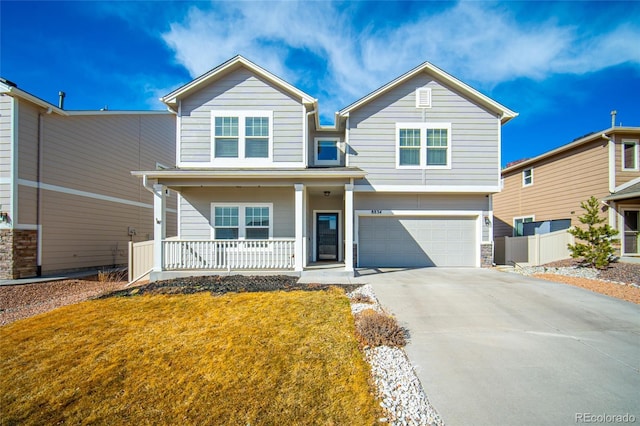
(315, 234)
(623, 209)
(236, 163)
(179, 214)
(300, 212)
(115, 112)
(242, 227)
(15, 138)
(423, 127)
(179, 134)
(524, 178)
(335, 162)
(70, 191)
(612, 164)
(477, 214)
(513, 221)
(624, 142)
(241, 159)
(347, 147)
(305, 133)
(349, 226)
(423, 97)
(627, 184)
(482, 189)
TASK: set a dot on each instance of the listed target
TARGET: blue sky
(562, 65)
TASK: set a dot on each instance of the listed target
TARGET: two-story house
(551, 186)
(403, 178)
(67, 197)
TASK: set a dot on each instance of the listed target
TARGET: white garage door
(417, 241)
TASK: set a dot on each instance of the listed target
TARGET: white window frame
(335, 162)
(635, 155)
(423, 127)
(530, 216)
(242, 227)
(241, 160)
(524, 177)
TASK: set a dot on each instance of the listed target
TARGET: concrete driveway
(494, 348)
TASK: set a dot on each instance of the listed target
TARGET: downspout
(305, 152)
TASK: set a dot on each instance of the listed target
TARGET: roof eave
(172, 98)
(14, 91)
(249, 174)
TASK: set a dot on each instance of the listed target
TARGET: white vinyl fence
(534, 249)
(140, 259)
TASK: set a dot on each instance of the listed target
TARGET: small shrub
(361, 298)
(112, 275)
(377, 329)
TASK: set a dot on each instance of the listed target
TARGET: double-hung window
(241, 135)
(423, 145)
(242, 221)
(527, 177)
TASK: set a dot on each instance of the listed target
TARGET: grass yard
(246, 359)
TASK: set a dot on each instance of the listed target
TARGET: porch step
(325, 276)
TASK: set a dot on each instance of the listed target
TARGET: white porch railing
(228, 254)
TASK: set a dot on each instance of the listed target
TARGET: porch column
(159, 224)
(299, 221)
(348, 227)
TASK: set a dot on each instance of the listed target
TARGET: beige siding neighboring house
(67, 196)
(404, 176)
(552, 186)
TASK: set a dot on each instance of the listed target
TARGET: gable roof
(237, 61)
(12, 90)
(604, 134)
(504, 113)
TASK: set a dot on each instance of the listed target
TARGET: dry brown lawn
(238, 359)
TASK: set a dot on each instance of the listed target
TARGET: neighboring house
(551, 186)
(67, 197)
(403, 178)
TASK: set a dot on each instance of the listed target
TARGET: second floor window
(527, 177)
(423, 145)
(629, 155)
(241, 134)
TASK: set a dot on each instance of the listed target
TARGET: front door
(327, 236)
(631, 228)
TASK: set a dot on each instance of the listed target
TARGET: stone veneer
(486, 255)
(18, 253)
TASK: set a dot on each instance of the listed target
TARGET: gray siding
(241, 90)
(27, 161)
(474, 137)
(195, 208)
(6, 130)
(86, 160)
(431, 202)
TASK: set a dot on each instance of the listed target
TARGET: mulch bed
(219, 284)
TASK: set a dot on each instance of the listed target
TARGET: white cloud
(481, 43)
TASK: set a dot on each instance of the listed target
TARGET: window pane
(226, 147)
(409, 137)
(409, 157)
(436, 157)
(327, 151)
(629, 156)
(257, 126)
(226, 216)
(226, 126)
(437, 137)
(226, 233)
(256, 148)
(257, 216)
(257, 233)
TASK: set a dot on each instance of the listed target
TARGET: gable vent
(423, 98)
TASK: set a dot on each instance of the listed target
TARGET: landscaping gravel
(399, 388)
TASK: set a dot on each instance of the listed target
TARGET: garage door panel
(417, 241)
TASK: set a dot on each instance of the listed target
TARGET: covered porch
(253, 220)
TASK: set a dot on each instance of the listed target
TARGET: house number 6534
(376, 211)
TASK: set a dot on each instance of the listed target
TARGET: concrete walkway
(47, 278)
(494, 348)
